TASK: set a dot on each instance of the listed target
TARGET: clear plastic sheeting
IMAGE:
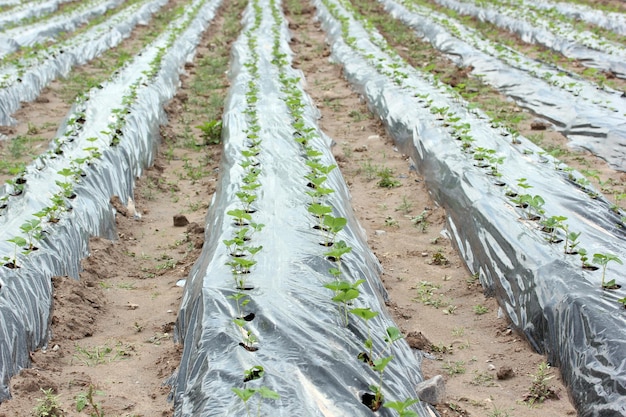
(558, 306)
(309, 356)
(591, 118)
(615, 22)
(25, 293)
(13, 39)
(30, 10)
(612, 60)
(24, 84)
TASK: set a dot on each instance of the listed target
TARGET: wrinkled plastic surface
(13, 39)
(615, 22)
(595, 58)
(25, 293)
(590, 118)
(559, 307)
(25, 84)
(32, 9)
(309, 356)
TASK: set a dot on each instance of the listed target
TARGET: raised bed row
(601, 58)
(512, 235)
(13, 39)
(29, 11)
(590, 117)
(23, 81)
(108, 138)
(277, 331)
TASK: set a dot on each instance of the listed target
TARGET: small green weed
(480, 309)
(48, 406)
(386, 178)
(454, 368)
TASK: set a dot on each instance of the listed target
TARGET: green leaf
(268, 393)
(381, 364)
(400, 405)
(393, 334)
(245, 394)
(346, 296)
(364, 313)
(335, 224)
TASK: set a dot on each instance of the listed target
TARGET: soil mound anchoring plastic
(25, 292)
(25, 84)
(308, 355)
(593, 58)
(589, 117)
(557, 305)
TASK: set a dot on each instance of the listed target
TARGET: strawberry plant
(249, 338)
(551, 225)
(245, 394)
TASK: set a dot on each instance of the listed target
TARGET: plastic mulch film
(28, 11)
(615, 22)
(13, 39)
(557, 305)
(25, 292)
(24, 83)
(590, 56)
(589, 117)
(308, 355)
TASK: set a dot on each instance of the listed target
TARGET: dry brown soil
(112, 329)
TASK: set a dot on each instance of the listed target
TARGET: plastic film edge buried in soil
(26, 292)
(308, 356)
(534, 281)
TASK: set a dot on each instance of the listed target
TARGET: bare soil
(112, 329)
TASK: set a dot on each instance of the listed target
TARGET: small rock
(373, 137)
(379, 232)
(424, 254)
(180, 220)
(55, 348)
(539, 125)
(491, 367)
(505, 372)
(132, 306)
(432, 391)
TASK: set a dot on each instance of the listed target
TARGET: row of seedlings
(240, 246)
(413, 12)
(376, 354)
(73, 165)
(23, 76)
(511, 261)
(593, 53)
(64, 196)
(461, 127)
(21, 36)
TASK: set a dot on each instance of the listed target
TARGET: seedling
(551, 225)
(246, 394)
(32, 229)
(256, 372)
(242, 300)
(332, 225)
(211, 132)
(345, 292)
(366, 314)
(240, 216)
(582, 253)
(320, 211)
(339, 249)
(48, 406)
(379, 366)
(539, 390)
(18, 242)
(571, 240)
(420, 222)
(603, 259)
(386, 178)
(249, 338)
(401, 407)
(246, 199)
(84, 400)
